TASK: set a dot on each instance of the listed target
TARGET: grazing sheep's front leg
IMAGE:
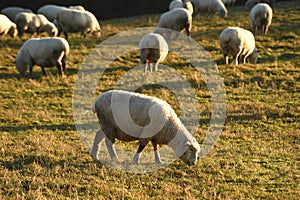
(98, 138)
(111, 149)
(137, 156)
(156, 152)
(236, 57)
(59, 67)
(64, 63)
(226, 59)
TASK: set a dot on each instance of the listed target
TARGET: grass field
(256, 157)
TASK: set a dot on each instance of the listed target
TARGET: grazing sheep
(210, 7)
(73, 21)
(250, 3)
(11, 12)
(153, 49)
(50, 11)
(151, 119)
(178, 19)
(7, 26)
(261, 17)
(181, 4)
(238, 42)
(32, 23)
(45, 52)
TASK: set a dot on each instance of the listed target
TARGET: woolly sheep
(73, 21)
(50, 11)
(210, 7)
(7, 26)
(250, 3)
(11, 12)
(32, 23)
(45, 52)
(181, 4)
(153, 49)
(178, 19)
(238, 42)
(148, 114)
(261, 17)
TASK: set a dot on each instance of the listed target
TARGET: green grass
(256, 157)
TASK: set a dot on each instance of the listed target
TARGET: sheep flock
(60, 21)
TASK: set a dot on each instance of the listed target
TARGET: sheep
(238, 42)
(181, 4)
(50, 11)
(261, 18)
(151, 119)
(250, 3)
(45, 52)
(178, 19)
(209, 6)
(153, 49)
(73, 21)
(7, 26)
(11, 12)
(32, 23)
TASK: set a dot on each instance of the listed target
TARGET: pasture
(256, 157)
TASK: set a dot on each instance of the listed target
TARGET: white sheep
(32, 23)
(73, 21)
(45, 52)
(250, 3)
(178, 19)
(150, 119)
(11, 12)
(7, 26)
(210, 7)
(261, 18)
(181, 4)
(239, 43)
(50, 11)
(153, 49)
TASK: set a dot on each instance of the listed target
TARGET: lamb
(7, 26)
(152, 119)
(250, 3)
(73, 21)
(238, 42)
(45, 52)
(50, 11)
(187, 4)
(32, 23)
(153, 49)
(261, 17)
(178, 19)
(11, 12)
(209, 6)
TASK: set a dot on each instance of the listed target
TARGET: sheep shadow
(61, 127)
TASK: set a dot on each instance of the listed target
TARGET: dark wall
(103, 9)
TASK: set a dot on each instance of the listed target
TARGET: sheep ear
(187, 143)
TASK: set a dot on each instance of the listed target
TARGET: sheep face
(52, 30)
(252, 58)
(21, 66)
(97, 33)
(13, 32)
(190, 156)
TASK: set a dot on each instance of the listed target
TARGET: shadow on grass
(46, 162)
(61, 127)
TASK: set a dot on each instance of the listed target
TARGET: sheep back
(210, 6)
(11, 12)
(237, 41)
(261, 18)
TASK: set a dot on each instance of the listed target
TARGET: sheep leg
(146, 67)
(236, 57)
(59, 67)
(64, 63)
(98, 138)
(111, 149)
(226, 57)
(137, 156)
(156, 152)
(66, 34)
(156, 66)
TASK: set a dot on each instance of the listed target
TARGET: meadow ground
(256, 156)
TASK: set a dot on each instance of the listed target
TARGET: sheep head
(191, 155)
